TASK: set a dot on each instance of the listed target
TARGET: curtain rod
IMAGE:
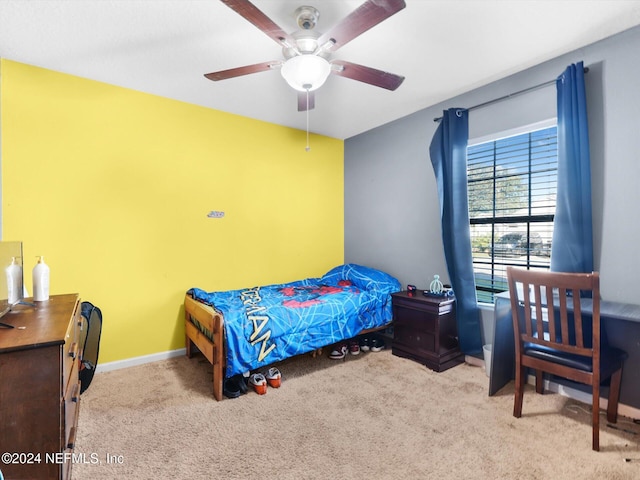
(526, 90)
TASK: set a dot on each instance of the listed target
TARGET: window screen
(512, 201)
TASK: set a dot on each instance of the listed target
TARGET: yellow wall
(113, 187)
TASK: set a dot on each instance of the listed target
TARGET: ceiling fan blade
(239, 71)
(254, 15)
(369, 75)
(366, 16)
(302, 101)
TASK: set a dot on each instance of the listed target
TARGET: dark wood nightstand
(424, 330)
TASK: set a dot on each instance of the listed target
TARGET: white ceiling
(163, 47)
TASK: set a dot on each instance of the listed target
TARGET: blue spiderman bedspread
(270, 323)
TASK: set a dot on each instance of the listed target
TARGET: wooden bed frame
(214, 349)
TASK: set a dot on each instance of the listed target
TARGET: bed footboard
(212, 349)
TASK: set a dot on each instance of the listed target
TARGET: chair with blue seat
(563, 340)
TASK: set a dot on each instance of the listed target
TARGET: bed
(246, 329)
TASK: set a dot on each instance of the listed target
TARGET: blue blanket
(270, 323)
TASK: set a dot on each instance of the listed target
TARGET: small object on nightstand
(411, 290)
(438, 290)
(436, 285)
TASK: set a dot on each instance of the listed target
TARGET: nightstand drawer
(430, 305)
(414, 339)
(415, 319)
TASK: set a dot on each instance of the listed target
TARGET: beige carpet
(373, 416)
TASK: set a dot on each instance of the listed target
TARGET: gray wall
(391, 206)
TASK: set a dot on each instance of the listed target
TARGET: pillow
(365, 278)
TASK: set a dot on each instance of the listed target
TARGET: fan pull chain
(307, 148)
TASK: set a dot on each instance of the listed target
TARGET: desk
(621, 323)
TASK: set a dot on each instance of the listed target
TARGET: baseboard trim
(132, 362)
(584, 397)
(624, 410)
(475, 361)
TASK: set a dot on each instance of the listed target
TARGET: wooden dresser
(40, 388)
(425, 330)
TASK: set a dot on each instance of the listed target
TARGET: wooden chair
(562, 343)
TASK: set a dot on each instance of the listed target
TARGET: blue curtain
(448, 152)
(572, 245)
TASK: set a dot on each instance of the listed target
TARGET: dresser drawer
(71, 410)
(70, 404)
(70, 413)
(70, 351)
(71, 347)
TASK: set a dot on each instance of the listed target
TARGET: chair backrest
(90, 343)
(532, 291)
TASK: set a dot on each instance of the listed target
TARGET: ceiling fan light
(306, 72)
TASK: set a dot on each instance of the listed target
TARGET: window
(512, 201)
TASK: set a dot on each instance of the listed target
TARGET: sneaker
(339, 351)
(259, 383)
(354, 347)
(274, 379)
(241, 380)
(377, 344)
(365, 343)
(230, 388)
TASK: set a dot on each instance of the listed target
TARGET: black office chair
(557, 341)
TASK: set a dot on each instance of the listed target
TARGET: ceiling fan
(307, 54)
